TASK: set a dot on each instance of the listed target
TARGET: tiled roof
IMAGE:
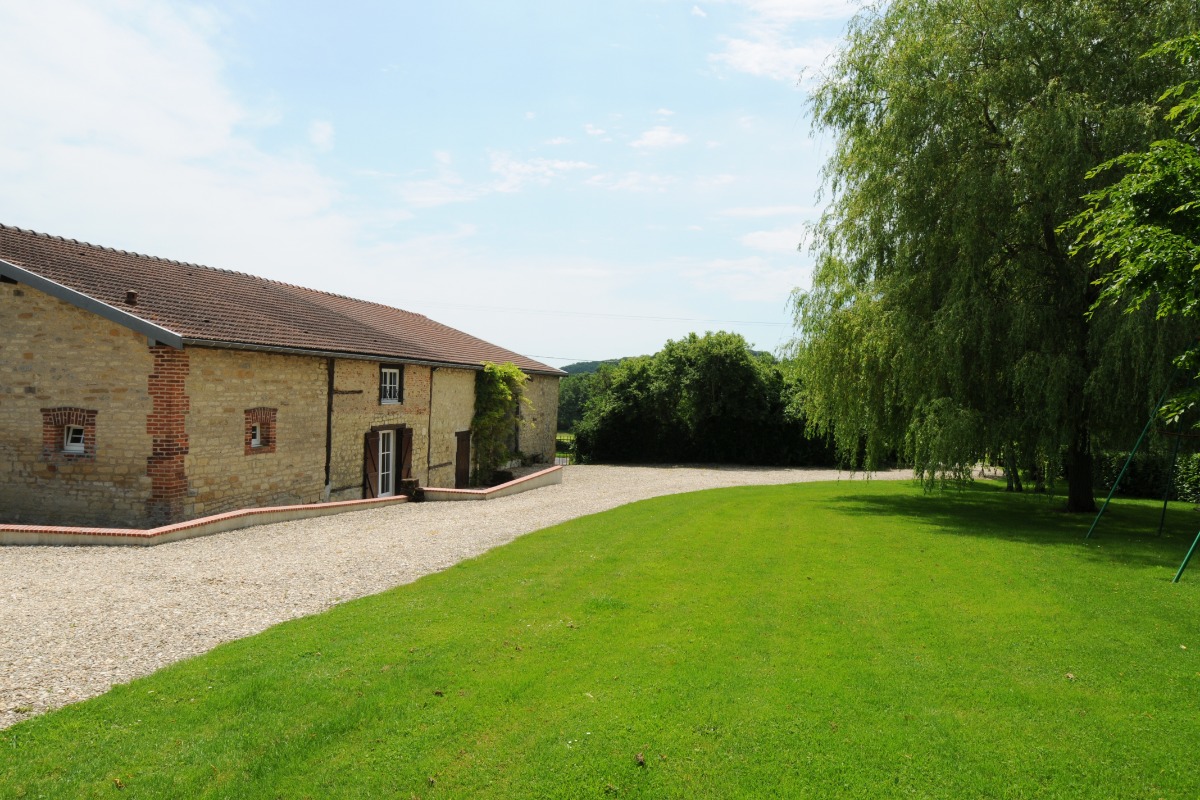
(202, 303)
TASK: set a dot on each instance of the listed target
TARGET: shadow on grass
(1127, 533)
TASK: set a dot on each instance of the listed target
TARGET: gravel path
(76, 620)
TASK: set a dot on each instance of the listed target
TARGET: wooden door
(405, 453)
(371, 465)
(462, 460)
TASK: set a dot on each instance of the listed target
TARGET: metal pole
(1170, 483)
(1129, 460)
(1186, 559)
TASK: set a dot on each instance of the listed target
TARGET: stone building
(138, 391)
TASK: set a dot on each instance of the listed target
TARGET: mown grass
(821, 640)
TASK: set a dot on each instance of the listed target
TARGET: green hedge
(1147, 475)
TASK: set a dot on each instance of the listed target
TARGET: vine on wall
(499, 395)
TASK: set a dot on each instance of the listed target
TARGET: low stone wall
(206, 526)
(546, 477)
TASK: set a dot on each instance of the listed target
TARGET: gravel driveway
(76, 620)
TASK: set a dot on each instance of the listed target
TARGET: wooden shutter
(406, 453)
(371, 465)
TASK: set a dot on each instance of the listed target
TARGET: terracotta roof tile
(204, 303)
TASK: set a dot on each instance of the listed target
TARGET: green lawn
(821, 640)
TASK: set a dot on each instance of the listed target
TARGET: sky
(571, 180)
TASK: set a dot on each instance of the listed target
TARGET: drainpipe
(429, 429)
(328, 429)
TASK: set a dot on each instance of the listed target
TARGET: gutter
(300, 351)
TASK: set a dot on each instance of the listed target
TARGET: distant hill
(588, 367)
(585, 367)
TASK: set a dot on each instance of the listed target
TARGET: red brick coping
(247, 517)
(204, 526)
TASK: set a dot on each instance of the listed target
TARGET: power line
(509, 310)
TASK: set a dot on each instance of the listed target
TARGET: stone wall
(453, 410)
(75, 366)
(536, 439)
(356, 409)
(227, 390)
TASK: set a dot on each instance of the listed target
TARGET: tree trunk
(1010, 470)
(1080, 497)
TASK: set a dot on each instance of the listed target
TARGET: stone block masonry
(59, 366)
(229, 392)
(536, 438)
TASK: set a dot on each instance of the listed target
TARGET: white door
(387, 463)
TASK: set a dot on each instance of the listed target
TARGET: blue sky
(573, 181)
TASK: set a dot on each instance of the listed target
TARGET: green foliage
(573, 393)
(499, 395)
(588, 367)
(1187, 478)
(1142, 232)
(836, 640)
(947, 320)
(1148, 474)
(702, 398)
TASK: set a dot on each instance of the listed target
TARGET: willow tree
(948, 318)
(1143, 231)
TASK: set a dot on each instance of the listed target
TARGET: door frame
(399, 466)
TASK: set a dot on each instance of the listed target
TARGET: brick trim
(54, 424)
(169, 440)
(265, 418)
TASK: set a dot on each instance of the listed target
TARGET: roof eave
(88, 303)
(303, 351)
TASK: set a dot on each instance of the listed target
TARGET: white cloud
(769, 53)
(632, 182)
(515, 174)
(772, 44)
(750, 279)
(783, 241)
(714, 181)
(127, 136)
(446, 186)
(697, 11)
(772, 211)
(558, 140)
(320, 133)
(592, 130)
(788, 11)
(658, 137)
(665, 112)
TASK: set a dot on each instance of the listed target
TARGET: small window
(391, 385)
(260, 430)
(73, 439)
(68, 434)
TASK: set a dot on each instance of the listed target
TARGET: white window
(73, 439)
(256, 435)
(389, 385)
(387, 463)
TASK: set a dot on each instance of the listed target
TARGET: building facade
(136, 392)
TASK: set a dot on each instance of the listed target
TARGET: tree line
(708, 398)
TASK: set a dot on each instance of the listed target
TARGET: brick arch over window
(264, 418)
(56, 421)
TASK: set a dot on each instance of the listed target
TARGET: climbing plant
(499, 395)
